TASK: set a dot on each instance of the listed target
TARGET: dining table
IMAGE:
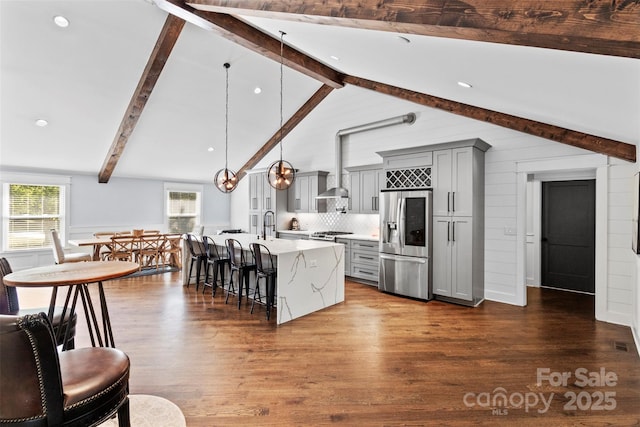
(77, 278)
(96, 242)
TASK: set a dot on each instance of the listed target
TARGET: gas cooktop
(328, 235)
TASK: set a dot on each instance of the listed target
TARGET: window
(30, 211)
(183, 208)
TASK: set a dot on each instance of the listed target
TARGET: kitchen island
(310, 273)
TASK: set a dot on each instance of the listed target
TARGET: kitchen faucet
(264, 224)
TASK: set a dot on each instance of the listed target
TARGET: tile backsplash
(335, 220)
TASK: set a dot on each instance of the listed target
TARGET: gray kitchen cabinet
(453, 258)
(364, 190)
(305, 189)
(292, 236)
(264, 198)
(365, 261)
(453, 189)
(347, 254)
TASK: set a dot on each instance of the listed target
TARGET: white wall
(121, 204)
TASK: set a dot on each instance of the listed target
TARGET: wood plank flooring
(375, 360)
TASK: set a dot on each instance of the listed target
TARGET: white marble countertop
(275, 246)
(341, 236)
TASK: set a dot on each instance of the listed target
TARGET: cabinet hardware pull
(448, 231)
(448, 201)
(366, 257)
(453, 201)
(453, 231)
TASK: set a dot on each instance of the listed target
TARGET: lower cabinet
(347, 255)
(457, 269)
(292, 236)
(364, 261)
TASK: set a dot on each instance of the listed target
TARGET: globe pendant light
(226, 179)
(281, 174)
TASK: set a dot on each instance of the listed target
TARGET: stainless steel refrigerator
(406, 243)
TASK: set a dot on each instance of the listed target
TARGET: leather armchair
(41, 387)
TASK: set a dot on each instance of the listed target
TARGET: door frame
(571, 167)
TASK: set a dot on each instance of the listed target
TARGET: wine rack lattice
(409, 178)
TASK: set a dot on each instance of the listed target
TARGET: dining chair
(171, 250)
(60, 256)
(10, 304)
(123, 248)
(149, 250)
(216, 261)
(264, 270)
(198, 256)
(41, 387)
(241, 266)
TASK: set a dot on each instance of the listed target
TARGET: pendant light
(281, 174)
(226, 179)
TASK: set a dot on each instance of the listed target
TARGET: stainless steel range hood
(338, 192)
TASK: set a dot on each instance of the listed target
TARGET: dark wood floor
(375, 360)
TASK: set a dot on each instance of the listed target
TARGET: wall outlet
(509, 231)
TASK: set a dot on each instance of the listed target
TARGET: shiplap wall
(311, 147)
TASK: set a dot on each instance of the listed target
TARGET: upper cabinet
(364, 190)
(305, 189)
(453, 180)
(261, 194)
(263, 198)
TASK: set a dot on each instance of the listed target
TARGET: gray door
(568, 235)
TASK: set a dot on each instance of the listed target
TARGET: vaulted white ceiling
(81, 79)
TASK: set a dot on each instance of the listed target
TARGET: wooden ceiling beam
(161, 51)
(609, 147)
(602, 27)
(297, 117)
(243, 34)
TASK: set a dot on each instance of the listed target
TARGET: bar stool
(215, 260)
(241, 266)
(198, 255)
(264, 271)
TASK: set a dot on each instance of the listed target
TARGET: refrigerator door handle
(401, 220)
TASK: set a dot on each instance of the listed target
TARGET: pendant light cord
(226, 119)
(282, 33)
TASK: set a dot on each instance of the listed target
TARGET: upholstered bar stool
(216, 261)
(241, 266)
(267, 271)
(40, 387)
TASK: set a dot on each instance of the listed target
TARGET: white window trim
(177, 186)
(7, 178)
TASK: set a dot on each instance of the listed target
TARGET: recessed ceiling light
(335, 58)
(210, 149)
(257, 90)
(41, 123)
(404, 39)
(465, 85)
(61, 21)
